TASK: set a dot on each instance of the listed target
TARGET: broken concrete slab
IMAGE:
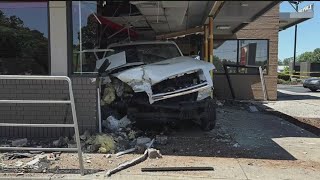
(112, 123)
(154, 153)
(124, 122)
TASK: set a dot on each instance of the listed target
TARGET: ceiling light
(244, 4)
(223, 27)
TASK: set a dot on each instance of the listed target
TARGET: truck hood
(141, 78)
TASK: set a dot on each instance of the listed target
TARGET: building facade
(49, 38)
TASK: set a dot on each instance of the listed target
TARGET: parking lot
(241, 146)
(298, 102)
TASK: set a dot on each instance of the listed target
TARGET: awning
(288, 19)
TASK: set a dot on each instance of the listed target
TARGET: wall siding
(249, 86)
(84, 90)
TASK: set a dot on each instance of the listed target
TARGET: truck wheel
(313, 89)
(208, 121)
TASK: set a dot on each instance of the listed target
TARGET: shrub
(283, 76)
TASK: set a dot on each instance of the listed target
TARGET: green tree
(305, 57)
(18, 44)
(286, 61)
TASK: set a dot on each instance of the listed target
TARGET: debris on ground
(253, 109)
(19, 142)
(124, 122)
(143, 140)
(107, 155)
(236, 145)
(11, 156)
(109, 95)
(105, 143)
(112, 123)
(132, 162)
(154, 153)
(161, 139)
(40, 163)
(125, 152)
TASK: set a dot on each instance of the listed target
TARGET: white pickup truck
(153, 81)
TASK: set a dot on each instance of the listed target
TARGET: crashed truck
(152, 81)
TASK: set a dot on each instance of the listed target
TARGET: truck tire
(208, 121)
(313, 89)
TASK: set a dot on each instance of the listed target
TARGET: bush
(281, 81)
(283, 76)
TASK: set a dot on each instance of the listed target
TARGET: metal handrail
(74, 116)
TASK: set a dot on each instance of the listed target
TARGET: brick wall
(84, 90)
(249, 86)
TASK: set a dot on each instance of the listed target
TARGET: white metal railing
(74, 116)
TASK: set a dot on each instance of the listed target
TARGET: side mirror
(103, 67)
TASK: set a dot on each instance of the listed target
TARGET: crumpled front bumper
(166, 112)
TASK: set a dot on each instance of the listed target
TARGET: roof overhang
(288, 19)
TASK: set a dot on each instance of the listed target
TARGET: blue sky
(308, 36)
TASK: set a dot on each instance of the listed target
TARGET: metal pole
(80, 37)
(76, 128)
(295, 41)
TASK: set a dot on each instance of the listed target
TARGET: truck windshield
(147, 53)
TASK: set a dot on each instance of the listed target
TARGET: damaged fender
(142, 78)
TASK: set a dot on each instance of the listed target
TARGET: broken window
(225, 51)
(255, 53)
(252, 52)
(24, 38)
(148, 53)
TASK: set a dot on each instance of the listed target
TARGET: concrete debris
(107, 156)
(132, 134)
(162, 140)
(109, 94)
(11, 156)
(119, 87)
(124, 122)
(112, 123)
(39, 163)
(125, 152)
(85, 135)
(219, 103)
(88, 161)
(19, 142)
(154, 153)
(236, 145)
(253, 109)
(72, 145)
(2, 165)
(60, 142)
(18, 163)
(105, 142)
(143, 140)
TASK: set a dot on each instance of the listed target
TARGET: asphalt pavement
(294, 88)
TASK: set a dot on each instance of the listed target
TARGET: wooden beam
(215, 10)
(180, 33)
(205, 39)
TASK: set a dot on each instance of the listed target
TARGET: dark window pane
(24, 38)
(225, 51)
(253, 52)
(148, 53)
